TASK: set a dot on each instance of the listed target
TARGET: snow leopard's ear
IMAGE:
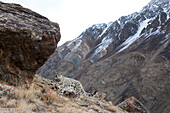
(60, 73)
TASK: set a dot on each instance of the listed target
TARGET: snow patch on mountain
(98, 26)
(166, 38)
(167, 17)
(133, 38)
(104, 31)
(104, 44)
(77, 45)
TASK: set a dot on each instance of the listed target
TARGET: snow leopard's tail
(91, 94)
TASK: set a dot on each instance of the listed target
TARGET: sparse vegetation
(23, 93)
(23, 106)
(33, 100)
(11, 103)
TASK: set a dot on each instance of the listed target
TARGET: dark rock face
(27, 39)
(128, 57)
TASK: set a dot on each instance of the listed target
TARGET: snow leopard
(70, 85)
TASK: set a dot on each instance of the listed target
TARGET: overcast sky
(75, 16)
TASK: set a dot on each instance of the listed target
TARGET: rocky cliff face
(27, 39)
(128, 57)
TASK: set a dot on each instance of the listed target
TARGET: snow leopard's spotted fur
(70, 85)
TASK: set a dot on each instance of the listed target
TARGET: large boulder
(27, 39)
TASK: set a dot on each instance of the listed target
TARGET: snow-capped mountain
(127, 57)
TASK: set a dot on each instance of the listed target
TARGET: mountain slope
(128, 57)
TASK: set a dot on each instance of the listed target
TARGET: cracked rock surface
(27, 39)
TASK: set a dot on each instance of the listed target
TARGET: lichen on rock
(27, 39)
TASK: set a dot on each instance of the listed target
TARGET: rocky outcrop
(128, 57)
(27, 39)
(133, 105)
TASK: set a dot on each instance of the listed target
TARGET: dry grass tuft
(96, 108)
(114, 109)
(23, 106)
(3, 100)
(67, 109)
(23, 93)
(50, 98)
(11, 103)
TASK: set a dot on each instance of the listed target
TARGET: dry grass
(11, 103)
(23, 100)
(96, 108)
(112, 108)
(3, 100)
(23, 106)
(67, 109)
(17, 106)
(26, 94)
(50, 98)
(20, 99)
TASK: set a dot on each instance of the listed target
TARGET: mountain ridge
(128, 57)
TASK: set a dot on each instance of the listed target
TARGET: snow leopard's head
(58, 76)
